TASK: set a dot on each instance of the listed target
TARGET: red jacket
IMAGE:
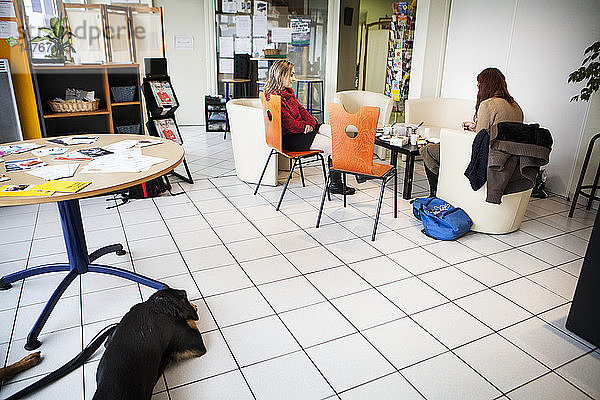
(294, 117)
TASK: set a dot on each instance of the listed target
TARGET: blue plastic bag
(441, 220)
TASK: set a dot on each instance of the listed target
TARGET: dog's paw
(32, 359)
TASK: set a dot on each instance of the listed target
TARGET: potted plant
(58, 36)
(591, 72)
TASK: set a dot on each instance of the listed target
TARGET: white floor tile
(289, 377)
(387, 242)
(315, 259)
(520, 262)
(349, 361)
(390, 387)
(363, 227)
(222, 218)
(221, 279)
(275, 225)
(269, 269)
(452, 282)
(494, 310)
(403, 342)
(452, 252)
(259, 340)
(239, 306)
(139, 216)
(544, 342)
(17, 234)
(109, 304)
(316, 324)
(207, 257)
(517, 238)
(38, 289)
(367, 309)
(161, 266)
(7, 319)
(152, 247)
(238, 232)
(196, 239)
(186, 224)
(530, 295)
(331, 233)
(230, 386)
(539, 229)
(447, 377)
(339, 281)
(492, 356)
(549, 253)
(487, 271)
(417, 260)
(556, 280)
(483, 244)
(571, 243)
(379, 270)
(584, 373)
(70, 386)
(66, 314)
(412, 295)
(548, 387)
(293, 241)
(291, 293)
(252, 249)
(354, 250)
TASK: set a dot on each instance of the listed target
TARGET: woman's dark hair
(492, 84)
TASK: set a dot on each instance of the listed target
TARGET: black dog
(151, 334)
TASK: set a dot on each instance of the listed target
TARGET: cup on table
(387, 130)
(413, 139)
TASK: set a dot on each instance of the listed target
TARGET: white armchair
(439, 112)
(250, 149)
(454, 187)
(353, 100)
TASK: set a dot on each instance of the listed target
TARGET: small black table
(410, 152)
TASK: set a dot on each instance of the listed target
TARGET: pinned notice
(281, 35)
(184, 43)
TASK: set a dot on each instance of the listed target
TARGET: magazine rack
(161, 104)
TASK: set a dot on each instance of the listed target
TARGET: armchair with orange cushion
(353, 140)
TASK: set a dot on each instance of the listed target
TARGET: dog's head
(174, 302)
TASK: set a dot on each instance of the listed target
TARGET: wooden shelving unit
(52, 81)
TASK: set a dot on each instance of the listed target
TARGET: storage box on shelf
(116, 87)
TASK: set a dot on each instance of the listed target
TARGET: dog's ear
(175, 303)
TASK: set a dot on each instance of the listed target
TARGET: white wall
(536, 43)
(191, 71)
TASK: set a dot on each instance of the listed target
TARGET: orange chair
(274, 138)
(353, 139)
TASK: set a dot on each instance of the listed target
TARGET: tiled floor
(293, 312)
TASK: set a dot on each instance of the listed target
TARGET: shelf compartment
(76, 114)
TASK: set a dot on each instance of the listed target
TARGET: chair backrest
(272, 115)
(440, 112)
(354, 99)
(353, 153)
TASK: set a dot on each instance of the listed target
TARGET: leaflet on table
(73, 140)
(83, 154)
(94, 152)
(4, 178)
(23, 165)
(126, 161)
(63, 186)
(18, 148)
(54, 171)
(49, 151)
(127, 144)
(163, 94)
(23, 190)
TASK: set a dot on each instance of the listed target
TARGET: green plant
(58, 35)
(591, 72)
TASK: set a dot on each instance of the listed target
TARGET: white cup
(413, 139)
(387, 130)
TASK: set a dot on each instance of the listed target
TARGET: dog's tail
(76, 362)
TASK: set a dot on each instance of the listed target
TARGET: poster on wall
(226, 65)
(281, 35)
(243, 26)
(7, 9)
(242, 45)
(259, 26)
(229, 6)
(258, 45)
(226, 47)
(184, 43)
(300, 31)
(244, 6)
(260, 8)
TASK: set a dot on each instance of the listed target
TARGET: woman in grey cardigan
(494, 105)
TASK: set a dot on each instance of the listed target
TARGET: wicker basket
(73, 107)
(271, 52)
(123, 94)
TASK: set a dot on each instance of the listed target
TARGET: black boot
(433, 181)
(362, 178)
(336, 186)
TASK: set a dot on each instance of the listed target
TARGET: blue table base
(79, 263)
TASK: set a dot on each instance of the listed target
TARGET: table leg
(408, 177)
(394, 161)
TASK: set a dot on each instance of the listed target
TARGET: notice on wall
(243, 6)
(300, 31)
(8, 29)
(243, 26)
(242, 45)
(184, 43)
(258, 45)
(281, 35)
(7, 9)
(226, 65)
(226, 47)
(229, 6)
(259, 26)
(260, 7)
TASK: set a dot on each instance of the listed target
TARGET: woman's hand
(469, 126)
(308, 128)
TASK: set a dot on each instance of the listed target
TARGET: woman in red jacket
(299, 128)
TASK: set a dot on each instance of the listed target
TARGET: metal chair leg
(263, 172)
(320, 156)
(344, 187)
(383, 182)
(586, 161)
(325, 190)
(286, 183)
(594, 188)
(301, 172)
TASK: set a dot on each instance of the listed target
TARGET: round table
(80, 262)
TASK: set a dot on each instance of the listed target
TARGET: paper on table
(259, 27)
(242, 26)
(226, 65)
(130, 160)
(242, 45)
(120, 146)
(226, 46)
(54, 171)
(49, 151)
(281, 35)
